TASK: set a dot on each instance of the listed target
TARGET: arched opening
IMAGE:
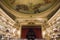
(30, 31)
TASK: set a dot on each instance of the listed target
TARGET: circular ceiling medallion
(30, 6)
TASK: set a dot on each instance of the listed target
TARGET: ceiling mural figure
(12, 1)
(31, 6)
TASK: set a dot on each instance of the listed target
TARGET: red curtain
(24, 32)
(38, 33)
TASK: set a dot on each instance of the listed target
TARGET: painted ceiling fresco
(30, 6)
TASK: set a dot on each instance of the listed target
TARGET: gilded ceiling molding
(42, 14)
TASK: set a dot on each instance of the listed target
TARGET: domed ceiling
(30, 6)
